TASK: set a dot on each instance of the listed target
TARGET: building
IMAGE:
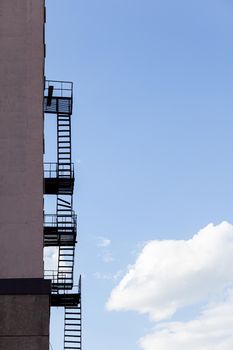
(26, 292)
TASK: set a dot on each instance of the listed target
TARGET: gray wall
(21, 138)
(24, 322)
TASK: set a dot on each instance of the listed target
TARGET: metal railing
(59, 88)
(65, 171)
(51, 220)
(58, 97)
(62, 278)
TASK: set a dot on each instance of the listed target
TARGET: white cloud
(211, 330)
(103, 275)
(105, 254)
(103, 242)
(50, 258)
(108, 275)
(169, 275)
(117, 275)
(107, 257)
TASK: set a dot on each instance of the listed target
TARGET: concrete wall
(21, 138)
(24, 322)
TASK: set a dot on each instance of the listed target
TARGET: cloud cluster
(108, 275)
(173, 274)
(103, 242)
(211, 330)
(50, 258)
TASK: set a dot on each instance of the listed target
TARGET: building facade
(26, 292)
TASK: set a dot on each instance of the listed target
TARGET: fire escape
(60, 228)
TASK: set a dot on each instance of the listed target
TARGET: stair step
(69, 228)
(73, 314)
(63, 210)
(69, 313)
(73, 336)
(67, 206)
(63, 200)
(67, 170)
(65, 248)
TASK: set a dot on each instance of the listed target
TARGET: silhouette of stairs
(73, 325)
(65, 171)
(60, 229)
(65, 252)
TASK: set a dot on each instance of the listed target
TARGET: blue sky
(152, 140)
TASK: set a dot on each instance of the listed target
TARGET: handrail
(51, 170)
(62, 88)
(63, 220)
(60, 277)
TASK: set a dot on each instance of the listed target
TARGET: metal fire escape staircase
(60, 229)
(64, 153)
(66, 249)
(73, 325)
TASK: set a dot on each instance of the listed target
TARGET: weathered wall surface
(24, 322)
(21, 138)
